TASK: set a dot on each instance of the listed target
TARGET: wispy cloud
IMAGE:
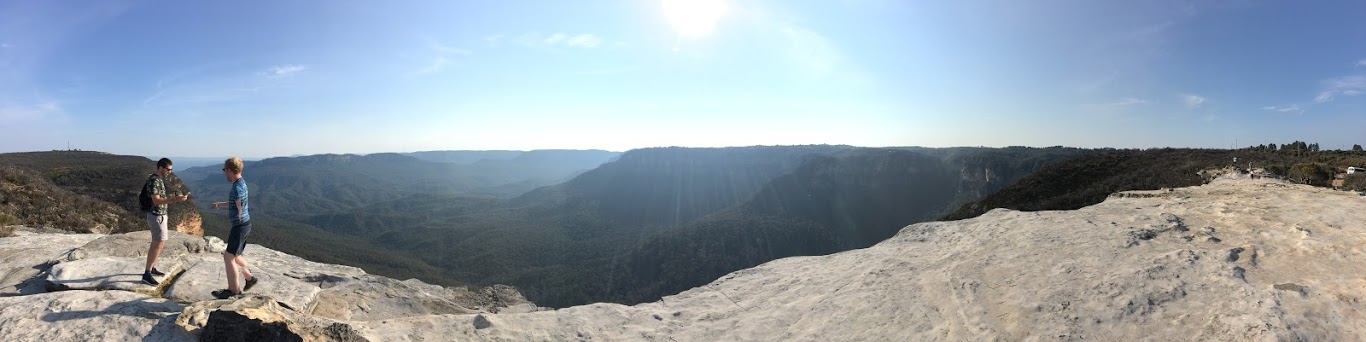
(1193, 101)
(608, 71)
(443, 57)
(1286, 109)
(540, 40)
(809, 52)
(1126, 102)
(211, 85)
(438, 63)
(1343, 86)
(450, 50)
(1362, 62)
(279, 71)
(585, 41)
(1113, 108)
(15, 114)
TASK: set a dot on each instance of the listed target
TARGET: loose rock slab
(25, 260)
(90, 316)
(206, 274)
(111, 273)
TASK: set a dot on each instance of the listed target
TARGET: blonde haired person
(237, 236)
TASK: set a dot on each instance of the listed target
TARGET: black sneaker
(223, 294)
(250, 282)
(147, 279)
(156, 272)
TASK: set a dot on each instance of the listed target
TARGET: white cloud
(1361, 62)
(283, 70)
(1343, 86)
(19, 114)
(494, 39)
(450, 50)
(1286, 109)
(608, 71)
(809, 52)
(1193, 101)
(1113, 108)
(584, 40)
(443, 56)
(437, 64)
(558, 39)
(1126, 102)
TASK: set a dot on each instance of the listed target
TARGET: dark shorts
(237, 238)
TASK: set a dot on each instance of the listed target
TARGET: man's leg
(153, 252)
(157, 227)
(231, 268)
(242, 264)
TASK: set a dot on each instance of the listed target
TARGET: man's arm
(240, 212)
(157, 200)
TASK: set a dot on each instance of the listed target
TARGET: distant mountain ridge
(594, 238)
(293, 187)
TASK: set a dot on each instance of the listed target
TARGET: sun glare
(693, 18)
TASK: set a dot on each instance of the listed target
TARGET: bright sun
(693, 18)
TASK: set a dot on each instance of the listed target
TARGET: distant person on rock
(153, 201)
(241, 226)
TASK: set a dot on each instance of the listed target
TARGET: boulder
(254, 317)
(90, 316)
(25, 260)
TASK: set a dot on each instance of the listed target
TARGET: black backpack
(145, 197)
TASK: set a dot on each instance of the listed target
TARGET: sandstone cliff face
(55, 286)
(1232, 260)
(186, 220)
(1236, 259)
(183, 217)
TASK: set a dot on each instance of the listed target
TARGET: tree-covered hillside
(1090, 179)
(76, 190)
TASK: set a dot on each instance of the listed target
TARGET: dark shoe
(250, 282)
(147, 278)
(223, 294)
(155, 272)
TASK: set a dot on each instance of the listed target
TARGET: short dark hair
(163, 163)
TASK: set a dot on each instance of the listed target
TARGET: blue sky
(268, 78)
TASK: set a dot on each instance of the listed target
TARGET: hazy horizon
(260, 79)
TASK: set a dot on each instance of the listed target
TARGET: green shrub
(1355, 182)
(1310, 173)
(6, 231)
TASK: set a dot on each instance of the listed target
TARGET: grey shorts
(158, 226)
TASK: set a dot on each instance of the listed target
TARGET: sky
(283, 77)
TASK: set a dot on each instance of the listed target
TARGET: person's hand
(184, 197)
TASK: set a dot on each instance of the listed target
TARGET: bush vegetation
(77, 190)
(1090, 179)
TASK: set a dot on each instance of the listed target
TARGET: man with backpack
(153, 201)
